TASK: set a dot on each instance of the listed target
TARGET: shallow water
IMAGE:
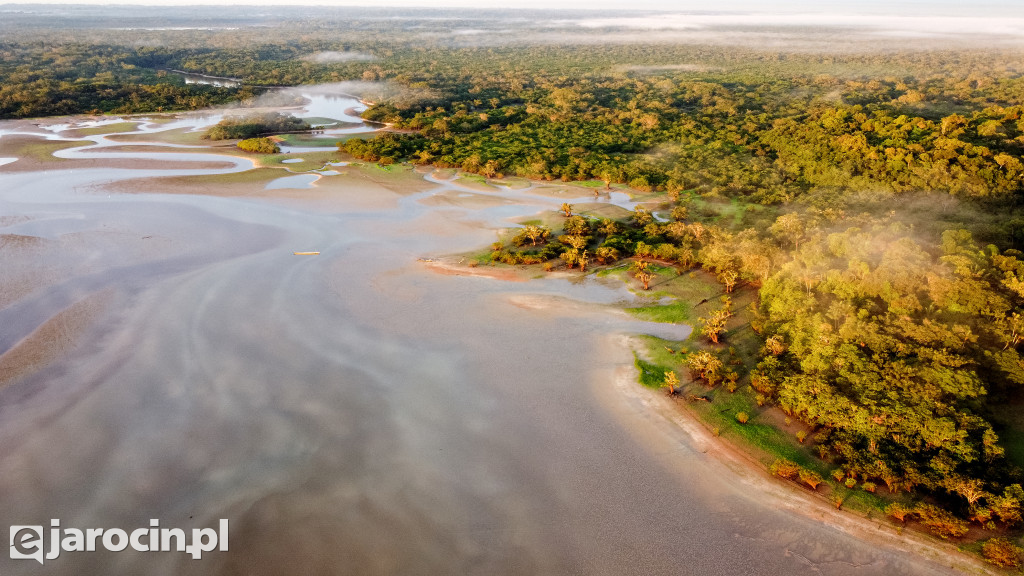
(353, 412)
(299, 181)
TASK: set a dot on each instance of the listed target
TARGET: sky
(994, 8)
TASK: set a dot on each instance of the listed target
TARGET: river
(349, 413)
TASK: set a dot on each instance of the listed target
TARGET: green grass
(771, 442)
(472, 177)
(656, 350)
(677, 312)
(589, 183)
(602, 210)
(651, 375)
(858, 500)
(691, 287)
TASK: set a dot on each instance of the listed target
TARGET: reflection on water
(341, 107)
(353, 412)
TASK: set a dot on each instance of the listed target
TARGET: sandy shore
(457, 269)
(51, 340)
(662, 411)
(659, 411)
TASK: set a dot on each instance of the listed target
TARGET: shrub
(939, 522)
(1001, 552)
(259, 146)
(811, 478)
(899, 511)
(869, 487)
(851, 482)
(838, 475)
(784, 468)
(742, 417)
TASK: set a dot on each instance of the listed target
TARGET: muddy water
(352, 412)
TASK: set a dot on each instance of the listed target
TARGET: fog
(865, 23)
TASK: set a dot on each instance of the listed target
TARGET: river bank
(359, 406)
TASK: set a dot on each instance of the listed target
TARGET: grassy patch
(651, 375)
(472, 177)
(693, 287)
(601, 210)
(677, 312)
(590, 183)
(769, 442)
(858, 500)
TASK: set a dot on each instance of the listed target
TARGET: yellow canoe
(306, 253)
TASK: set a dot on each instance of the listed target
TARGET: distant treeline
(767, 139)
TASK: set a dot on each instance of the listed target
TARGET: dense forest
(870, 198)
